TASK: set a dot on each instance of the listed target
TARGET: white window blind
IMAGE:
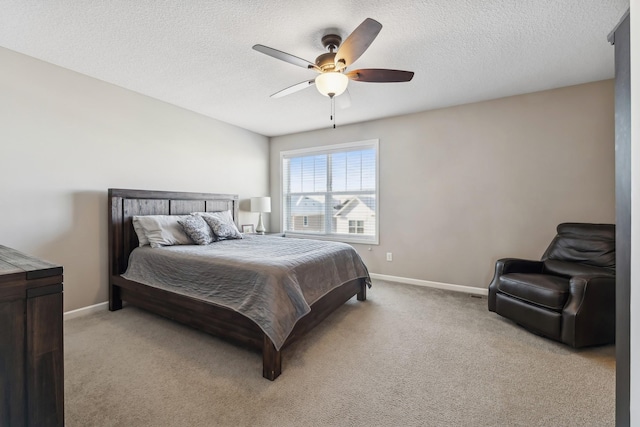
(331, 192)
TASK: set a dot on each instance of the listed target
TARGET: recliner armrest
(510, 265)
(589, 317)
(517, 265)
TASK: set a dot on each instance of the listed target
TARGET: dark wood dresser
(31, 353)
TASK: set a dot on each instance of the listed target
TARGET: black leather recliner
(569, 295)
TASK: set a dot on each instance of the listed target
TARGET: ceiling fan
(333, 78)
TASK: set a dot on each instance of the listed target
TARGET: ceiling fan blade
(357, 43)
(295, 88)
(283, 56)
(380, 75)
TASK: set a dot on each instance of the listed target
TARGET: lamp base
(260, 227)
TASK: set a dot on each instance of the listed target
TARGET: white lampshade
(261, 204)
(332, 82)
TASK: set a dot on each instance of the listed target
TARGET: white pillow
(163, 230)
(142, 238)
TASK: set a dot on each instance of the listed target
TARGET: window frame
(327, 149)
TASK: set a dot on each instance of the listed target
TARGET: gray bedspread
(272, 280)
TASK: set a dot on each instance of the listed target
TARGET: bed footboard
(362, 295)
(115, 302)
(271, 360)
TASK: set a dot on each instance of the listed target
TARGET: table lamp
(260, 204)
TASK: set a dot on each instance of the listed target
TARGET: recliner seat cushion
(544, 290)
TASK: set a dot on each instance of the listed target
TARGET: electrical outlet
(389, 256)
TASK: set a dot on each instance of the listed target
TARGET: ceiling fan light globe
(332, 83)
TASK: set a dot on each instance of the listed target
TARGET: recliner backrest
(589, 244)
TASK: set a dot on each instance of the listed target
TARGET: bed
(216, 318)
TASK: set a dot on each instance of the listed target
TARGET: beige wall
(461, 187)
(65, 138)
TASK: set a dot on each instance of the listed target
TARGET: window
(331, 192)
(356, 227)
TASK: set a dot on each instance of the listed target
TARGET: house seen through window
(331, 192)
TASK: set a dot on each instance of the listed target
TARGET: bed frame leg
(362, 295)
(271, 360)
(115, 302)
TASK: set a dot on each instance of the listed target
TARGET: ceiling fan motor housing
(326, 61)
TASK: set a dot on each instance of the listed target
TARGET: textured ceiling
(197, 54)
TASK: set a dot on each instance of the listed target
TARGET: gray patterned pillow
(222, 225)
(197, 229)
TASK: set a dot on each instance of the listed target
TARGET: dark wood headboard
(124, 204)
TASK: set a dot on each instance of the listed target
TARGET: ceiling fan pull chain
(333, 111)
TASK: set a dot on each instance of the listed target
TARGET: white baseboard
(86, 310)
(429, 284)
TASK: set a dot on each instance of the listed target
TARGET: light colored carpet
(409, 356)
